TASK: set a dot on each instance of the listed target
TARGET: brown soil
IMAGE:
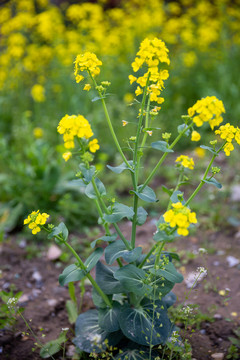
(45, 299)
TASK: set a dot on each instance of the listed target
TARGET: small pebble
(203, 332)
(52, 302)
(232, 261)
(235, 193)
(217, 316)
(70, 351)
(217, 356)
(6, 285)
(22, 244)
(37, 276)
(23, 299)
(54, 252)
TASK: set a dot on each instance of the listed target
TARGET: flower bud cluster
(181, 217)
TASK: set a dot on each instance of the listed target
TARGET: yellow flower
(200, 152)
(124, 122)
(93, 145)
(89, 62)
(67, 155)
(132, 78)
(229, 133)
(186, 161)
(208, 109)
(128, 98)
(87, 87)
(195, 136)
(35, 220)
(181, 217)
(149, 132)
(71, 126)
(139, 91)
(38, 93)
(38, 132)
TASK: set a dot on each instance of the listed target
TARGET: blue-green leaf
(161, 145)
(106, 280)
(169, 272)
(118, 249)
(71, 273)
(214, 182)
(90, 192)
(141, 216)
(78, 183)
(108, 317)
(60, 229)
(132, 279)
(147, 324)
(169, 299)
(209, 149)
(98, 300)
(147, 194)
(181, 129)
(90, 337)
(176, 195)
(119, 169)
(118, 213)
(88, 173)
(107, 238)
(93, 259)
(161, 235)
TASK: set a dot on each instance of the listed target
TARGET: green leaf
(78, 183)
(169, 272)
(60, 229)
(107, 238)
(118, 249)
(71, 273)
(90, 337)
(136, 354)
(90, 192)
(108, 317)
(163, 288)
(162, 146)
(147, 323)
(147, 194)
(166, 190)
(106, 280)
(118, 213)
(141, 216)
(72, 311)
(119, 169)
(88, 173)
(52, 347)
(209, 149)
(132, 279)
(214, 182)
(93, 259)
(181, 128)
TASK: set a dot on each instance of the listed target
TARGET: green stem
(88, 275)
(110, 124)
(107, 212)
(204, 176)
(164, 156)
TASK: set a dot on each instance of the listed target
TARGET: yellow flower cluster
(35, 220)
(185, 161)
(89, 62)
(229, 133)
(181, 217)
(38, 93)
(71, 126)
(209, 110)
(151, 53)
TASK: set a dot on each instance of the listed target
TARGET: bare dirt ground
(44, 300)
